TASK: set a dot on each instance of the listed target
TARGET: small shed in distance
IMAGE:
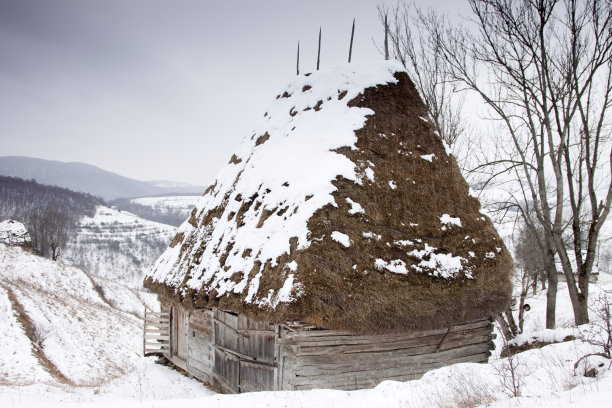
(338, 248)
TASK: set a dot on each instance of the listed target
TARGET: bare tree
(529, 258)
(412, 43)
(543, 68)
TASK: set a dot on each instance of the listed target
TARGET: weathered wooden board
(375, 376)
(226, 371)
(418, 346)
(201, 352)
(258, 346)
(334, 359)
(249, 344)
(180, 327)
(256, 377)
(391, 356)
(335, 337)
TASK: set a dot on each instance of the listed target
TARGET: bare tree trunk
(551, 298)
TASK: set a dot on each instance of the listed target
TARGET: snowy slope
(171, 210)
(62, 328)
(118, 245)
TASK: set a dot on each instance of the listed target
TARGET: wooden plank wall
(334, 359)
(238, 354)
(200, 358)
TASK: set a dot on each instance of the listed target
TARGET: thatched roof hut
(342, 210)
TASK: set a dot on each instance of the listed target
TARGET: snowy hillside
(166, 204)
(172, 209)
(95, 343)
(118, 245)
(63, 328)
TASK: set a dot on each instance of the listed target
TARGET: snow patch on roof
(356, 208)
(428, 157)
(341, 238)
(395, 266)
(369, 234)
(446, 219)
(439, 264)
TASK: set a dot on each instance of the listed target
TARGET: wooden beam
(386, 38)
(297, 67)
(351, 46)
(243, 357)
(319, 51)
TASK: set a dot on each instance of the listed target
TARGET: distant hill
(89, 179)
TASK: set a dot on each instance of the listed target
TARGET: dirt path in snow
(30, 331)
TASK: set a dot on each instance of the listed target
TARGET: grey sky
(156, 89)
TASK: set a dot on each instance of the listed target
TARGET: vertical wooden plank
(256, 377)
(173, 331)
(227, 371)
(181, 333)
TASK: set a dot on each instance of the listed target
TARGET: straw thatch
(416, 210)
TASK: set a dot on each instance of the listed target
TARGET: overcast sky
(156, 89)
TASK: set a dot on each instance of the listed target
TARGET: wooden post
(386, 40)
(319, 52)
(351, 46)
(298, 59)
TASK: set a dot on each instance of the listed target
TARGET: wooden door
(244, 353)
(179, 333)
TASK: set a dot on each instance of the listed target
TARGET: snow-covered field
(89, 329)
(118, 245)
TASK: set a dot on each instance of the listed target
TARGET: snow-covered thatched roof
(342, 209)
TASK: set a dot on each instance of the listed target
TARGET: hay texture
(344, 210)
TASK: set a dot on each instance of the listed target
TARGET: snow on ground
(118, 245)
(70, 310)
(17, 364)
(88, 331)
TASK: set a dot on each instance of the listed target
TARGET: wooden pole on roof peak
(319, 52)
(297, 66)
(351, 46)
(386, 39)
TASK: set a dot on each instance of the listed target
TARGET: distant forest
(49, 213)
